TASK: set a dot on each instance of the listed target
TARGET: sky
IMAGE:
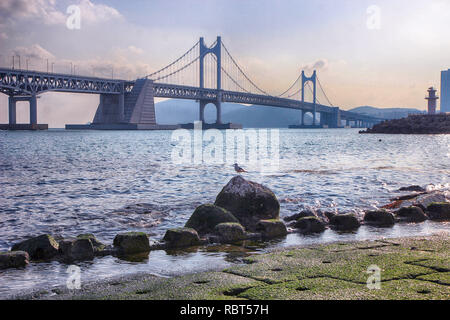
(382, 53)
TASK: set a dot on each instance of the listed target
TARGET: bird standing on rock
(238, 169)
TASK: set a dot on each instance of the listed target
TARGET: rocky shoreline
(412, 268)
(243, 210)
(414, 124)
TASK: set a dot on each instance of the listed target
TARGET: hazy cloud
(45, 11)
(321, 64)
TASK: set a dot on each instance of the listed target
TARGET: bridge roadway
(24, 85)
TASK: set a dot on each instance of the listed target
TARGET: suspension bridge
(207, 74)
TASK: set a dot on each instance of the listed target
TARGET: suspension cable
(170, 65)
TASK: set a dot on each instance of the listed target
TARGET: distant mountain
(186, 111)
(387, 113)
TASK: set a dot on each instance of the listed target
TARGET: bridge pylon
(217, 51)
(305, 80)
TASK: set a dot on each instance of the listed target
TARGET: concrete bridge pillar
(218, 106)
(202, 111)
(302, 122)
(219, 112)
(121, 108)
(12, 110)
(33, 109)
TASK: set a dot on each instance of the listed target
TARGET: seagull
(238, 169)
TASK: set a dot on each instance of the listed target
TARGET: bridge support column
(219, 112)
(202, 111)
(302, 122)
(12, 110)
(121, 108)
(33, 109)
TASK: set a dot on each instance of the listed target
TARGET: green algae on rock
(207, 216)
(181, 237)
(42, 247)
(131, 242)
(249, 202)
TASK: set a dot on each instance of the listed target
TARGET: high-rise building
(445, 91)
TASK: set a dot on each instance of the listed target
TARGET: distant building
(432, 100)
(445, 91)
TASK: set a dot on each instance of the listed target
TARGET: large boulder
(181, 237)
(14, 259)
(439, 211)
(271, 228)
(229, 232)
(411, 214)
(310, 225)
(344, 222)
(131, 243)
(379, 218)
(249, 202)
(42, 247)
(207, 216)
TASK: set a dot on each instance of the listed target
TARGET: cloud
(118, 63)
(45, 11)
(97, 13)
(33, 52)
(321, 64)
(135, 50)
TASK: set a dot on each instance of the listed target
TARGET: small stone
(379, 218)
(302, 214)
(39, 248)
(131, 243)
(415, 188)
(271, 228)
(411, 214)
(230, 232)
(439, 211)
(344, 222)
(14, 259)
(181, 237)
(310, 225)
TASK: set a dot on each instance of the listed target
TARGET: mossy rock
(14, 259)
(42, 247)
(271, 228)
(98, 246)
(379, 218)
(310, 225)
(249, 202)
(344, 222)
(131, 242)
(439, 211)
(207, 216)
(230, 232)
(78, 249)
(411, 214)
(181, 237)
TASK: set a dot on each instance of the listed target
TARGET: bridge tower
(312, 79)
(217, 51)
